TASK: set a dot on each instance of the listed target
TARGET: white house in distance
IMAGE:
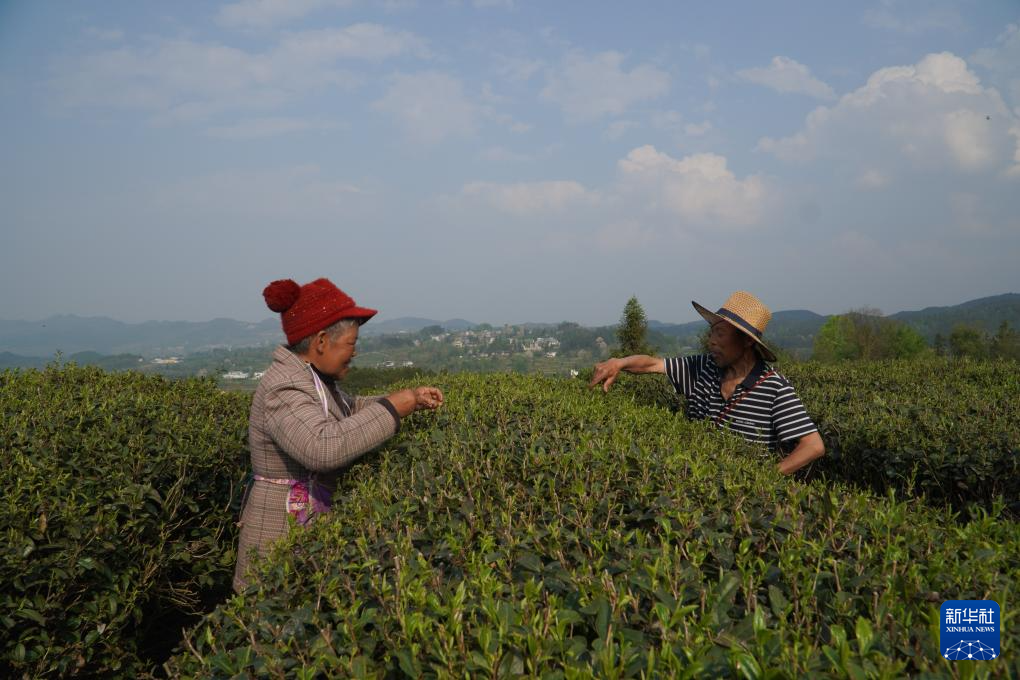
(235, 375)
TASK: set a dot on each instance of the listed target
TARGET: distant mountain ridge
(984, 313)
(413, 324)
(70, 334)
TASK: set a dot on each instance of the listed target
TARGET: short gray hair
(339, 328)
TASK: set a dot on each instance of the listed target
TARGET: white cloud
(257, 128)
(105, 34)
(786, 75)
(873, 179)
(430, 107)
(359, 41)
(625, 235)
(501, 154)
(588, 88)
(699, 189)
(904, 16)
(268, 13)
(166, 73)
(518, 69)
(698, 129)
(263, 196)
(934, 115)
(528, 198)
(618, 128)
(1003, 63)
(182, 79)
(667, 120)
(653, 196)
(398, 5)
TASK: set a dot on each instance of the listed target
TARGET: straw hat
(747, 314)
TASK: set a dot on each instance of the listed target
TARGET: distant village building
(165, 361)
(408, 364)
(235, 375)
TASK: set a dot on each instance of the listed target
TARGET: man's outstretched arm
(606, 371)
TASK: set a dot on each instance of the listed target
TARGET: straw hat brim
(712, 318)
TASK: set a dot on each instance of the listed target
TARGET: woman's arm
(607, 371)
(808, 449)
(296, 422)
(321, 443)
(405, 401)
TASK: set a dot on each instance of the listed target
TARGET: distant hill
(70, 334)
(412, 324)
(984, 313)
(117, 362)
(793, 330)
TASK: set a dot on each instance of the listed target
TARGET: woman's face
(726, 344)
(334, 354)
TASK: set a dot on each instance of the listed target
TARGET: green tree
(1005, 344)
(866, 334)
(632, 329)
(903, 342)
(967, 341)
(834, 341)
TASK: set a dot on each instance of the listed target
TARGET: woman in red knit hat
(303, 428)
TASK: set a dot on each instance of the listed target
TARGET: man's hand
(606, 373)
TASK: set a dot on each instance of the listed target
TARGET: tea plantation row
(945, 429)
(118, 513)
(530, 526)
(533, 528)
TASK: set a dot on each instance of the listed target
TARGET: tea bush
(531, 527)
(120, 497)
(946, 429)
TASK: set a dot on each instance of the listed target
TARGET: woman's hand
(408, 401)
(427, 398)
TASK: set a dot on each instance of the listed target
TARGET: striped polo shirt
(770, 414)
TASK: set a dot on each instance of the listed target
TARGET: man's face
(334, 354)
(726, 344)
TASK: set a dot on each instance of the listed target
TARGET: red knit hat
(308, 309)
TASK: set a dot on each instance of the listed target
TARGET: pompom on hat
(310, 308)
(747, 314)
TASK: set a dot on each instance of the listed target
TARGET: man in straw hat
(733, 385)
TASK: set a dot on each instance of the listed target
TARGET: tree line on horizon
(860, 334)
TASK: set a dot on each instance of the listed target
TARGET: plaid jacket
(291, 437)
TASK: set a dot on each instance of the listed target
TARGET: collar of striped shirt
(760, 367)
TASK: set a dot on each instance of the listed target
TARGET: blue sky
(507, 161)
